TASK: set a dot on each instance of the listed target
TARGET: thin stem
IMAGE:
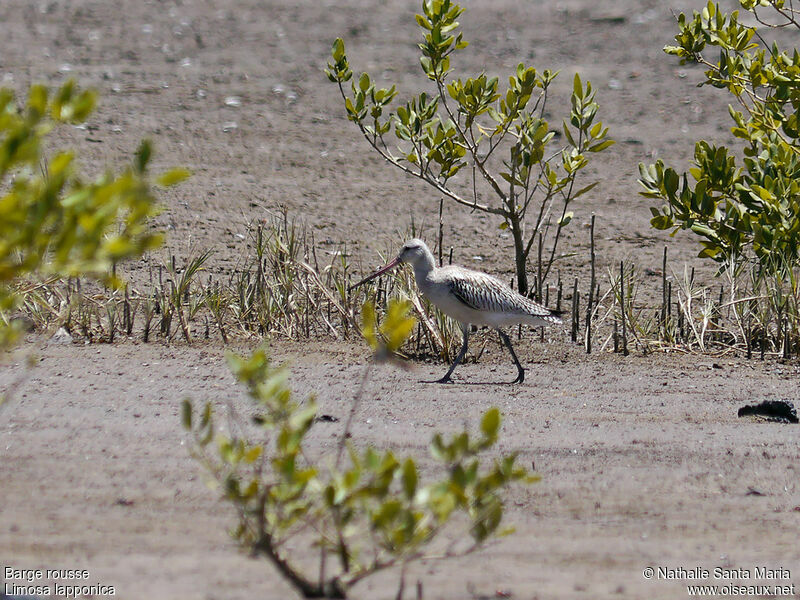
(351, 416)
(388, 157)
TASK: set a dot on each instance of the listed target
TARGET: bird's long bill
(377, 273)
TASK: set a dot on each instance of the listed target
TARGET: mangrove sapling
(361, 510)
(744, 212)
(465, 126)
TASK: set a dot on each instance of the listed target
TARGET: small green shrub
(746, 212)
(465, 127)
(364, 510)
(749, 211)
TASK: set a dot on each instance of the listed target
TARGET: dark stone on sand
(779, 411)
(327, 419)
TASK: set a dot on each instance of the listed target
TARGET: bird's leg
(521, 372)
(460, 357)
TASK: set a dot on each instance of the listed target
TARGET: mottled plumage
(471, 298)
(484, 293)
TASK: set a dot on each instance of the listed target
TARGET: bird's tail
(553, 317)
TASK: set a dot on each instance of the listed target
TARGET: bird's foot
(520, 377)
(445, 379)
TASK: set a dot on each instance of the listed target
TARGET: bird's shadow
(472, 383)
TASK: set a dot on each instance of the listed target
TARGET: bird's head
(415, 252)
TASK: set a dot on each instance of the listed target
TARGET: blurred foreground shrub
(359, 508)
(52, 221)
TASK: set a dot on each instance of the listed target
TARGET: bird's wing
(464, 293)
(483, 292)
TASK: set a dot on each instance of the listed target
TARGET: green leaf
(599, 147)
(585, 189)
(409, 478)
(568, 135)
(205, 419)
(143, 155)
(427, 65)
(363, 82)
(55, 221)
(253, 454)
(387, 513)
(577, 86)
(302, 418)
(337, 50)
(81, 107)
(490, 424)
(369, 326)
(398, 325)
(173, 177)
(661, 222)
(186, 414)
(37, 100)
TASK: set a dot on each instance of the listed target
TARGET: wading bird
(469, 297)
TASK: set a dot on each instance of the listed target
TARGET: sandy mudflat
(643, 459)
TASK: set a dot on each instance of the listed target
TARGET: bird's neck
(423, 268)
